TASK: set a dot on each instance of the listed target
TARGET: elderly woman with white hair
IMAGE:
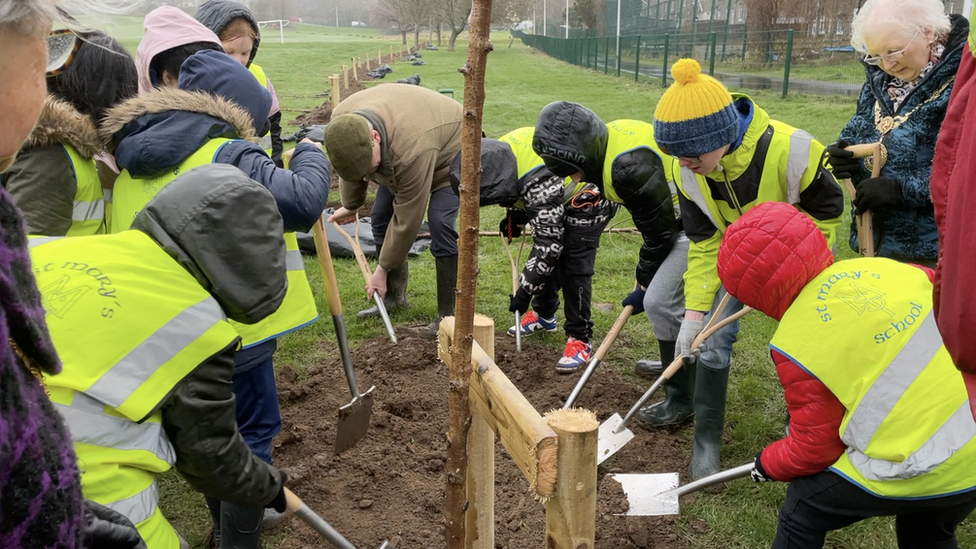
(40, 490)
(911, 54)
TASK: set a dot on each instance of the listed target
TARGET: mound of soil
(323, 113)
(391, 484)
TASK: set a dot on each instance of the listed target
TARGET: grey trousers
(664, 302)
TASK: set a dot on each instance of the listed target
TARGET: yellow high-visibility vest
(258, 73)
(88, 213)
(298, 309)
(866, 330)
(129, 324)
(625, 136)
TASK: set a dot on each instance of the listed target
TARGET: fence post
(606, 57)
(728, 22)
(789, 57)
(334, 83)
(355, 69)
(637, 59)
(745, 40)
(379, 56)
(618, 60)
(711, 58)
(367, 61)
(345, 76)
(571, 513)
(479, 528)
(664, 69)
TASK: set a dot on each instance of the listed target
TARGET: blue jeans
(258, 416)
(717, 351)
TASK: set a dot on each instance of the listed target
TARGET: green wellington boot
(446, 268)
(676, 407)
(709, 403)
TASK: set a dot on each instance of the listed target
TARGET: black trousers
(826, 501)
(573, 275)
(442, 212)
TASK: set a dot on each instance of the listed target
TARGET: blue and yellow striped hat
(696, 115)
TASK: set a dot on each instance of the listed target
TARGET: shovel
(515, 287)
(296, 505)
(614, 433)
(368, 274)
(598, 356)
(865, 227)
(650, 495)
(353, 417)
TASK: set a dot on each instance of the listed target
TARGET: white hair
(906, 16)
(29, 16)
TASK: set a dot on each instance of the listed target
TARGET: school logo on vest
(59, 298)
(865, 299)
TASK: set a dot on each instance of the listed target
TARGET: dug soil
(391, 485)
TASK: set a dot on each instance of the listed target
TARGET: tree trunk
(454, 34)
(403, 35)
(416, 37)
(438, 34)
(460, 413)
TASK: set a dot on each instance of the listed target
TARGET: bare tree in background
(455, 13)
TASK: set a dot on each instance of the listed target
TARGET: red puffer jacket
(766, 259)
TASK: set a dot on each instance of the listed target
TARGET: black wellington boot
(446, 268)
(240, 527)
(676, 407)
(396, 290)
(709, 401)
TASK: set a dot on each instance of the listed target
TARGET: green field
(520, 81)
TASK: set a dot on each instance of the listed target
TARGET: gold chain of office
(887, 123)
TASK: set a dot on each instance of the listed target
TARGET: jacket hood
(225, 229)
(220, 75)
(216, 14)
(499, 173)
(753, 123)
(569, 136)
(167, 27)
(154, 132)
(61, 123)
(769, 254)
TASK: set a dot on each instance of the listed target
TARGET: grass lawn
(520, 81)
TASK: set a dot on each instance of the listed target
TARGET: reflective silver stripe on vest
(797, 163)
(38, 240)
(89, 424)
(87, 211)
(294, 261)
(689, 183)
(139, 507)
(882, 397)
(107, 195)
(126, 375)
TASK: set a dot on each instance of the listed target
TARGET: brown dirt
(323, 113)
(391, 485)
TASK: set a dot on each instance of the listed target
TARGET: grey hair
(907, 16)
(30, 16)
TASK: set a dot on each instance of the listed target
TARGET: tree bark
(455, 500)
(455, 32)
(403, 35)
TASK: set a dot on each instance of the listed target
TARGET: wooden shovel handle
(865, 222)
(511, 261)
(292, 502)
(360, 256)
(708, 332)
(328, 269)
(614, 332)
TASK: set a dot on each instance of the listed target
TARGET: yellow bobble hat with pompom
(696, 114)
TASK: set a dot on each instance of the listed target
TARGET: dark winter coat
(157, 131)
(907, 233)
(216, 15)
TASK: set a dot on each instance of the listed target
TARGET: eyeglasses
(892, 57)
(62, 45)
(690, 159)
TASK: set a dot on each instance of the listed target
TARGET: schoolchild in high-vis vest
(140, 321)
(879, 416)
(726, 157)
(211, 118)
(567, 220)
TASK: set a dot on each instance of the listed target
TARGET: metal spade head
(650, 495)
(609, 441)
(354, 421)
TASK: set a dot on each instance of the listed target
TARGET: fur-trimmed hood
(156, 131)
(61, 124)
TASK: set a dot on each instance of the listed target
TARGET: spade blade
(610, 442)
(354, 421)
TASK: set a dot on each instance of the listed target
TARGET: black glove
(878, 193)
(519, 303)
(278, 503)
(108, 529)
(636, 300)
(759, 474)
(842, 162)
(510, 225)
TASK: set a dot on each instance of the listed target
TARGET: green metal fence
(777, 59)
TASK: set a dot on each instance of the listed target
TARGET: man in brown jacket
(402, 137)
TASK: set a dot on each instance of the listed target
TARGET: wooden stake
(336, 94)
(459, 408)
(345, 77)
(391, 53)
(480, 483)
(379, 55)
(367, 61)
(571, 514)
